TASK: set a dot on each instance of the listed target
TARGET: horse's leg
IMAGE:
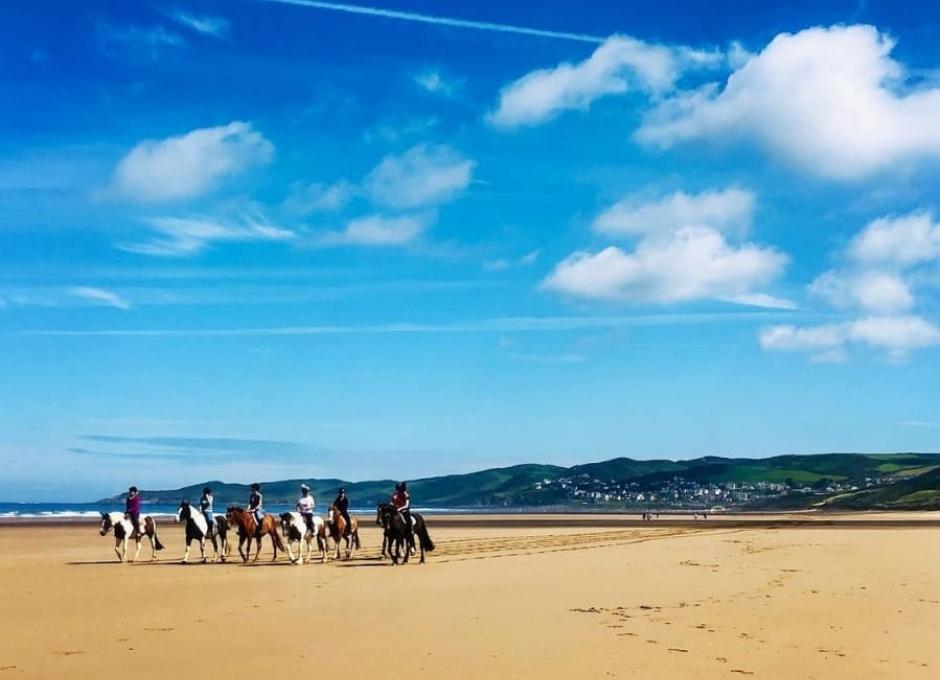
(246, 553)
(274, 547)
(202, 549)
(137, 552)
(186, 552)
(290, 551)
(117, 549)
(153, 546)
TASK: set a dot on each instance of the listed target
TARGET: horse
(124, 530)
(221, 530)
(398, 535)
(337, 530)
(245, 522)
(197, 529)
(295, 528)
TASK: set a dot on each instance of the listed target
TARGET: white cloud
(305, 199)
(902, 241)
(831, 101)
(217, 27)
(615, 66)
(423, 175)
(189, 165)
(100, 296)
(504, 264)
(877, 291)
(728, 210)
(896, 334)
(180, 236)
(435, 83)
(693, 263)
(379, 230)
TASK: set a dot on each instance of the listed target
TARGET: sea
(92, 510)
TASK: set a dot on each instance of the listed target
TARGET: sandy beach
(552, 597)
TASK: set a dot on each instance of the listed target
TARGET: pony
(295, 528)
(245, 522)
(336, 524)
(398, 535)
(124, 530)
(221, 530)
(197, 529)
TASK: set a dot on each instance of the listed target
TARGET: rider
(305, 505)
(254, 506)
(132, 509)
(401, 501)
(205, 505)
(342, 506)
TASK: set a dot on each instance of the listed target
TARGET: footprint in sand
(158, 630)
(68, 652)
(7, 668)
(738, 670)
(678, 649)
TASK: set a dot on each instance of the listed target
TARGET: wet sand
(788, 596)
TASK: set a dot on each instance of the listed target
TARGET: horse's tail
(356, 543)
(277, 540)
(424, 537)
(156, 540)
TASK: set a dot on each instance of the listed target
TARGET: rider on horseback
(254, 506)
(205, 505)
(305, 505)
(401, 501)
(342, 507)
(132, 510)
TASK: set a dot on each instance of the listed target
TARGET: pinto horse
(399, 536)
(124, 530)
(296, 528)
(245, 522)
(336, 525)
(197, 529)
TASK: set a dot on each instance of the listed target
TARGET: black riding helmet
(206, 490)
(256, 487)
(133, 489)
(403, 486)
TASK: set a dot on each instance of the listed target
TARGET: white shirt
(305, 505)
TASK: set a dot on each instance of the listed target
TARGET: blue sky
(266, 238)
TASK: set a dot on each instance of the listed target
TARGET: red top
(400, 499)
(133, 504)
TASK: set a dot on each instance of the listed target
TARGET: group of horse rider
(401, 501)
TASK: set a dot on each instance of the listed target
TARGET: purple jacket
(133, 504)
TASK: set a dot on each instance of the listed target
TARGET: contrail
(439, 21)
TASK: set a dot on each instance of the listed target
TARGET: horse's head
(106, 524)
(185, 511)
(231, 512)
(287, 519)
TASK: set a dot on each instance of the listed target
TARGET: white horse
(295, 529)
(197, 529)
(124, 530)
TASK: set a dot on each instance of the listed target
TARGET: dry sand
(502, 599)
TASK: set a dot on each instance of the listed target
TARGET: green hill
(832, 480)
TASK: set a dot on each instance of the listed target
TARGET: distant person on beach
(205, 505)
(341, 503)
(305, 505)
(132, 509)
(254, 506)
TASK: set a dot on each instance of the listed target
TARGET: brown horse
(336, 525)
(245, 522)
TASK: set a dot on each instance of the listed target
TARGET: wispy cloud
(216, 27)
(100, 296)
(378, 230)
(181, 236)
(493, 325)
(439, 20)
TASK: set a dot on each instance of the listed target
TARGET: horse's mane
(233, 508)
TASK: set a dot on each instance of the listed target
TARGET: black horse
(398, 535)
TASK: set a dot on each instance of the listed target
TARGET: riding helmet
(133, 489)
(304, 487)
(206, 489)
(256, 487)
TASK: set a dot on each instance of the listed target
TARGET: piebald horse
(244, 521)
(221, 530)
(124, 530)
(295, 528)
(197, 529)
(336, 524)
